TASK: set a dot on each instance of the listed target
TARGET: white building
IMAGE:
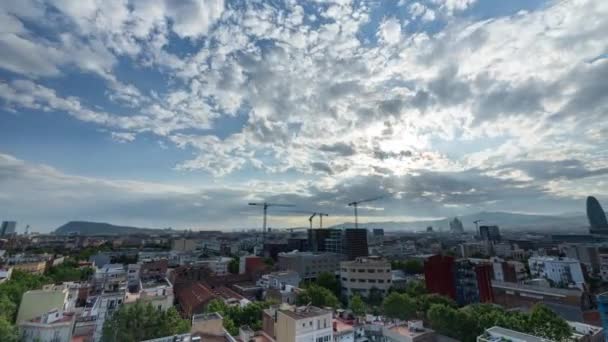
(303, 324)
(53, 326)
(363, 274)
(219, 265)
(280, 279)
(561, 271)
(105, 306)
(5, 274)
(158, 293)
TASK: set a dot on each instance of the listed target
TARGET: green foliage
(408, 266)
(357, 305)
(400, 306)
(11, 291)
(233, 265)
(415, 288)
(235, 316)
(138, 322)
(318, 296)
(69, 271)
(269, 261)
(375, 297)
(8, 332)
(466, 323)
(330, 282)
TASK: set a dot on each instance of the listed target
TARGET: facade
(561, 271)
(8, 228)
(316, 239)
(475, 249)
(303, 324)
(109, 278)
(603, 260)
(570, 304)
(587, 254)
(355, 243)
(440, 275)
(508, 271)
(5, 274)
(105, 305)
(52, 326)
(350, 242)
(278, 280)
(308, 264)
(184, 245)
(157, 292)
(473, 282)
(489, 233)
(602, 307)
(219, 265)
(364, 274)
(34, 267)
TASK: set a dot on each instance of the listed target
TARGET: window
(362, 280)
(372, 280)
(343, 279)
(381, 281)
(371, 270)
(360, 270)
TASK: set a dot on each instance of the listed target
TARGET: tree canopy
(235, 316)
(399, 306)
(357, 305)
(317, 296)
(138, 322)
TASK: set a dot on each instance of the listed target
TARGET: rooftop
(372, 261)
(500, 334)
(206, 316)
(305, 312)
(538, 289)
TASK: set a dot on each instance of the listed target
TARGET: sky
(167, 113)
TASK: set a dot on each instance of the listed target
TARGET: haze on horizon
(178, 113)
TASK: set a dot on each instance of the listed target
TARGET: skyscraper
(596, 216)
(8, 228)
(456, 226)
(489, 233)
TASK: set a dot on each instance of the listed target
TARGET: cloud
(390, 31)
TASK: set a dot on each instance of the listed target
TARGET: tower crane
(320, 219)
(266, 205)
(477, 225)
(354, 204)
(310, 219)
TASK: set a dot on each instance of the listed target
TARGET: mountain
(99, 228)
(573, 223)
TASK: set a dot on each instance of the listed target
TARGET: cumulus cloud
(333, 92)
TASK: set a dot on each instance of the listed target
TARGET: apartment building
(309, 264)
(363, 274)
(52, 326)
(303, 324)
(561, 271)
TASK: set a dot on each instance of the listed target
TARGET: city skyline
(165, 113)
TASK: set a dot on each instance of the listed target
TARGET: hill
(100, 228)
(572, 223)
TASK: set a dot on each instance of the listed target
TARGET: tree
(415, 288)
(424, 302)
(137, 322)
(233, 265)
(330, 282)
(8, 332)
(452, 322)
(399, 306)
(413, 267)
(545, 323)
(317, 296)
(357, 305)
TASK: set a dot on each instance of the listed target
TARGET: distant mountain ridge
(576, 223)
(100, 228)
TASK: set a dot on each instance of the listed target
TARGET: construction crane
(320, 219)
(354, 204)
(477, 225)
(266, 205)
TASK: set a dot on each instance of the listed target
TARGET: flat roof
(552, 291)
(305, 312)
(498, 333)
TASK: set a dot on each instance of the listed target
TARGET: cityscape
(303, 171)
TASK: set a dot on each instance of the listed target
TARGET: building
(350, 242)
(5, 274)
(496, 334)
(473, 282)
(413, 331)
(508, 271)
(440, 275)
(307, 323)
(280, 279)
(33, 267)
(8, 228)
(110, 277)
(52, 326)
(456, 226)
(587, 254)
(570, 304)
(309, 264)
(475, 249)
(560, 271)
(489, 233)
(184, 245)
(251, 264)
(597, 217)
(105, 305)
(35, 303)
(462, 280)
(364, 274)
(155, 291)
(603, 260)
(586, 332)
(218, 265)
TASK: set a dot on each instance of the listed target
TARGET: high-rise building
(602, 307)
(350, 242)
(489, 233)
(456, 226)
(8, 228)
(308, 264)
(461, 280)
(596, 216)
